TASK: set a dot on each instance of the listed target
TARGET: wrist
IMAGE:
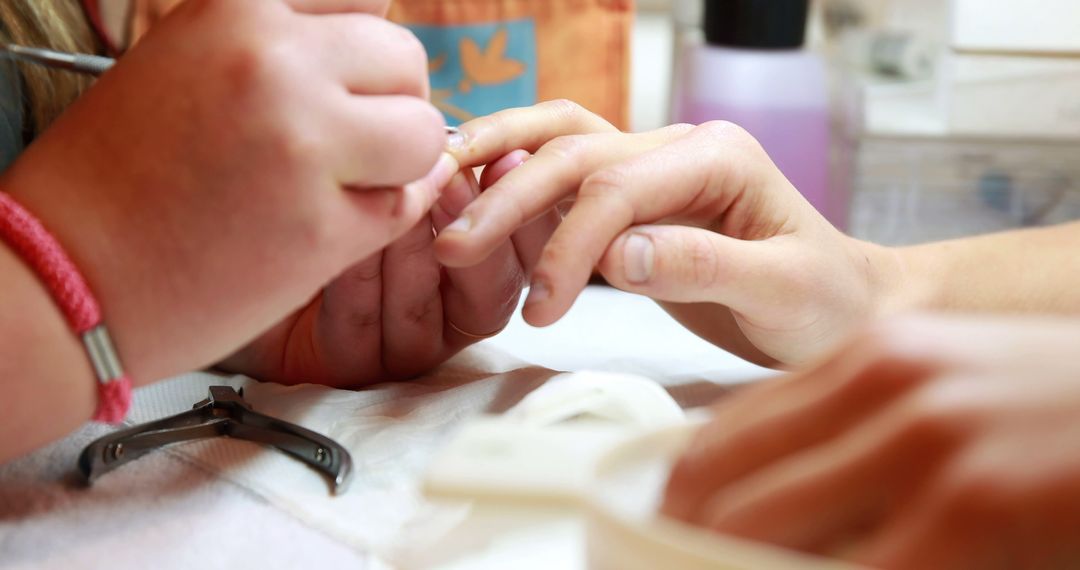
(72, 219)
(39, 250)
(897, 279)
(49, 384)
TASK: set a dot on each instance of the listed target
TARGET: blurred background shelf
(950, 117)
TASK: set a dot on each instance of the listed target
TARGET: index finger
(481, 141)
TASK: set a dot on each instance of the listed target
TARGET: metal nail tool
(223, 413)
(75, 62)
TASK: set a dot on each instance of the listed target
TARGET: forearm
(49, 388)
(1024, 271)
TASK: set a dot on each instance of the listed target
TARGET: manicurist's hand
(698, 218)
(234, 162)
(397, 313)
(922, 443)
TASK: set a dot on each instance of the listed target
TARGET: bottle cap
(764, 24)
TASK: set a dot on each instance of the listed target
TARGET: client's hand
(926, 443)
(696, 217)
(396, 314)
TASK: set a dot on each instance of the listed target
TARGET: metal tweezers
(224, 413)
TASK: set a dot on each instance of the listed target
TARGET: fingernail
(462, 224)
(519, 157)
(538, 293)
(638, 257)
(456, 142)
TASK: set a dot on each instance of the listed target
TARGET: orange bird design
(488, 66)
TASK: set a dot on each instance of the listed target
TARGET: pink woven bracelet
(26, 235)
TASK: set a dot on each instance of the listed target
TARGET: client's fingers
(699, 178)
(524, 194)
(495, 171)
(478, 301)
(483, 140)
(529, 241)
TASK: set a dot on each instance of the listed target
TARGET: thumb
(691, 265)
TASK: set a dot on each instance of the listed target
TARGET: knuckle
(412, 52)
(679, 129)
(701, 264)
(565, 110)
(318, 234)
(424, 313)
(723, 136)
(295, 145)
(569, 148)
(402, 214)
(362, 274)
(605, 188)
(722, 131)
(254, 65)
(420, 130)
(605, 183)
(409, 73)
(358, 319)
(555, 254)
(411, 250)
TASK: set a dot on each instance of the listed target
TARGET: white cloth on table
(222, 503)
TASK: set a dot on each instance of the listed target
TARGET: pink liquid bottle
(753, 71)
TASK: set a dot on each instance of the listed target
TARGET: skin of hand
(239, 158)
(696, 217)
(398, 313)
(922, 443)
(387, 317)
